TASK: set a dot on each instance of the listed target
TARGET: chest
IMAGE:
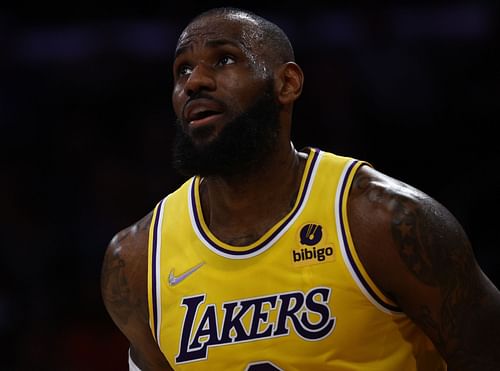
(295, 299)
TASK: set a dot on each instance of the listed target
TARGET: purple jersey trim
(360, 277)
(215, 245)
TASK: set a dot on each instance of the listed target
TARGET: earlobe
(290, 80)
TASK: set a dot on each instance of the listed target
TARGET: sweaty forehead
(238, 27)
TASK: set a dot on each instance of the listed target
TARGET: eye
(185, 70)
(225, 60)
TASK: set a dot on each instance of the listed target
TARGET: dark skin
(411, 246)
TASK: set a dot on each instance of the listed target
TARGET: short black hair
(275, 40)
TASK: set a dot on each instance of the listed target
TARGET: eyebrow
(213, 43)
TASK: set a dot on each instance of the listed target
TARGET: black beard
(240, 146)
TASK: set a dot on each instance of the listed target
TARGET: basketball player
(269, 258)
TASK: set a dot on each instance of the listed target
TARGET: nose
(201, 78)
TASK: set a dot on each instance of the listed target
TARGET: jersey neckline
(271, 236)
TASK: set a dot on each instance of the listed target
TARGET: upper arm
(419, 254)
(124, 292)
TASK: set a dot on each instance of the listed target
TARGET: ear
(289, 81)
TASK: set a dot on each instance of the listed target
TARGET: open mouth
(201, 117)
(202, 111)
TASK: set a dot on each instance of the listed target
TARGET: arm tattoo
(115, 287)
(437, 252)
(425, 244)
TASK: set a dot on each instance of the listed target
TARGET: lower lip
(209, 120)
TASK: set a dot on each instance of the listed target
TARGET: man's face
(219, 81)
(241, 146)
(217, 75)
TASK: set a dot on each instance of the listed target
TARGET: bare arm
(124, 292)
(418, 253)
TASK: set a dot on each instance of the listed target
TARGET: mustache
(203, 95)
(198, 95)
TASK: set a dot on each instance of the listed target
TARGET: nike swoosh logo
(175, 280)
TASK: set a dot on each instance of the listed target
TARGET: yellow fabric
(296, 299)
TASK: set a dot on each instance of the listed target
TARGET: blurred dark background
(86, 128)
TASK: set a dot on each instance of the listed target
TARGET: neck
(240, 209)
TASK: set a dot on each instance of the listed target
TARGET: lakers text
(251, 319)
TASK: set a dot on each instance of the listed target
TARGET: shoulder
(378, 191)
(419, 255)
(392, 203)
(132, 241)
(400, 228)
(124, 272)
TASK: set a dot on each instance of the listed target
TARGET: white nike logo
(173, 280)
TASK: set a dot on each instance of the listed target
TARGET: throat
(240, 214)
(247, 226)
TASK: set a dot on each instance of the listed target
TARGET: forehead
(239, 28)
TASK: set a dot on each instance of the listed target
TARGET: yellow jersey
(296, 299)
